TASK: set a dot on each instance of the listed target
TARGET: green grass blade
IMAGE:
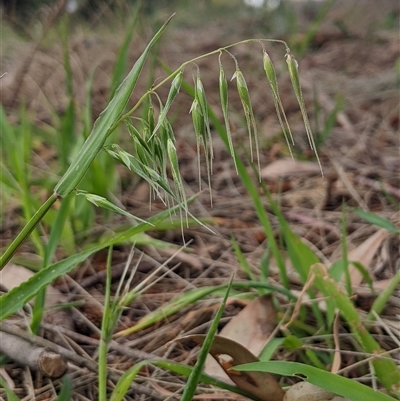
(99, 201)
(121, 62)
(345, 259)
(382, 300)
(125, 381)
(314, 26)
(258, 204)
(11, 396)
(24, 233)
(188, 298)
(377, 221)
(336, 384)
(169, 309)
(54, 239)
(242, 260)
(106, 332)
(301, 256)
(67, 129)
(195, 375)
(385, 369)
(104, 125)
(66, 390)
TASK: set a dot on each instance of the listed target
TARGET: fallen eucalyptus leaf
(229, 353)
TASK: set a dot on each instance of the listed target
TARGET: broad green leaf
(336, 384)
(269, 350)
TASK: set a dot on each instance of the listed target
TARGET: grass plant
(155, 159)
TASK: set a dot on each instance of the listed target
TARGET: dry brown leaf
(287, 166)
(229, 353)
(364, 254)
(251, 327)
(13, 275)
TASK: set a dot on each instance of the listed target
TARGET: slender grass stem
(25, 232)
(105, 333)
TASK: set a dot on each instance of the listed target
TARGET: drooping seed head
(270, 72)
(293, 72)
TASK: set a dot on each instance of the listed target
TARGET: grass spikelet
(173, 91)
(201, 97)
(176, 176)
(199, 129)
(271, 76)
(294, 77)
(248, 112)
(201, 123)
(223, 92)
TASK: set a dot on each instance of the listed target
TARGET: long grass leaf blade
(195, 375)
(337, 384)
(123, 55)
(385, 368)
(24, 233)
